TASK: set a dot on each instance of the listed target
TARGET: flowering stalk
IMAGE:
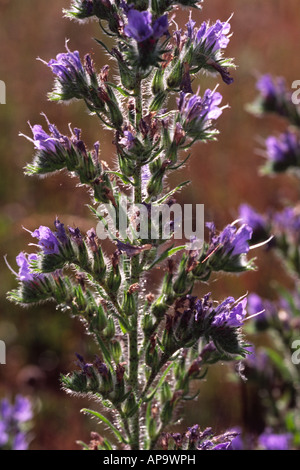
(151, 345)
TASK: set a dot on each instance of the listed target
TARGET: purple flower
(25, 273)
(3, 434)
(60, 232)
(274, 97)
(20, 441)
(234, 241)
(202, 306)
(222, 446)
(214, 37)
(270, 88)
(6, 409)
(160, 26)
(250, 217)
(270, 441)
(237, 443)
(76, 235)
(196, 112)
(66, 66)
(230, 317)
(128, 140)
(49, 143)
(140, 26)
(43, 141)
(22, 409)
(47, 240)
(12, 418)
(283, 151)
(255, 304)
(287, 223)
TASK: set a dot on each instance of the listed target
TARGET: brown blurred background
(41, 341)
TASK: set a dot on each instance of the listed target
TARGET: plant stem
(135, 278)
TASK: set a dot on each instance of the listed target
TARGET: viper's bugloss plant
(152, 345)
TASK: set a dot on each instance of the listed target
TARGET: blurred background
(41, 341)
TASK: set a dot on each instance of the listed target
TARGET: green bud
(129, 304)
(83, 256)
(155, 185)
(131, 406)
(175, 78)
(159, 307)
(127, 166)
(166, 413)
(228, 340)
(165, 393)
(152, 428)
(116, 351)
(116, 116)
(158, 101)
(99, 266)
(127, 76)
(158, 82)
(75, 382)
(181, 283)
(151, 357)
(167, 287)
(114, 279)
(147, 324)
(102, 8)
(101, 318)
(109, 331)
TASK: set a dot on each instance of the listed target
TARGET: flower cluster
(274, 97)
(141, 28)
(196, 114)
(14, 420)
(194, 438)
(279, 230)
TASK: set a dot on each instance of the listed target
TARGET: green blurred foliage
(41, 341)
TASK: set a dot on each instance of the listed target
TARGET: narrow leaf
(106, 421)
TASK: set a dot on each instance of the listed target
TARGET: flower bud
(165, 393)
(116, 351)
(175, 78)
(130, 406)
(159, 307)
(158, 82)
(102, 9)
(147, 324)
(109, 331)
(114, 279)
(101, 318)
(129, 304)
(166, 413)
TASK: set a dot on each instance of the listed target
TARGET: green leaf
(105, 352)
(106, 421)
(124, 178)
(103, 45)
(166, 254)
(160, 382)
(170, 193)
(120, 90)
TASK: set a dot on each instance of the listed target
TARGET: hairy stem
(135, 278)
